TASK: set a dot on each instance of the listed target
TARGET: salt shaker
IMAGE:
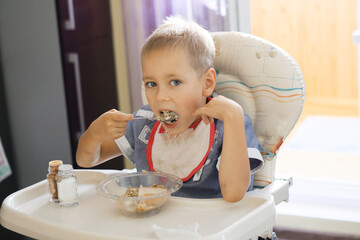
(51, 176)
(67, 186)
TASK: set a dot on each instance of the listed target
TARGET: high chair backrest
(268, 84)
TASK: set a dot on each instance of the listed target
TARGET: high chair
(269, 86)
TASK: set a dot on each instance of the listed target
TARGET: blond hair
(175, 32)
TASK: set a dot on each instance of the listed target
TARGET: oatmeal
(143, 205)
(167, 117)
(144, 191)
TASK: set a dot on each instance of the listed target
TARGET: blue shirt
(205, 182)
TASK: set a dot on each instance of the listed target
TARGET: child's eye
(150, 84)
(175, 82)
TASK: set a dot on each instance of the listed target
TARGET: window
(323, 151)
(141, 17)
(318, 34)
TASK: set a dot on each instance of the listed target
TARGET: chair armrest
(279, 189)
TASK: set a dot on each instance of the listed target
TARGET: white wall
(30, 57)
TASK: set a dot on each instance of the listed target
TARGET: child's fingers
(205, 119)
(202, 112)
(116, 132)
(199, 112)
(120, 116)
(211, 119)
(121, 124)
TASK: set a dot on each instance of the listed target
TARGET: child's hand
(110, 125)
(219, 107)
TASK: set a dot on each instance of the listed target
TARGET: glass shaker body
(67, 186)
(51, 176)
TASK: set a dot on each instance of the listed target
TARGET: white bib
(182, 155)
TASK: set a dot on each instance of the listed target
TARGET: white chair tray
(30, 213)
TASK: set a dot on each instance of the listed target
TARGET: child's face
(171, 84)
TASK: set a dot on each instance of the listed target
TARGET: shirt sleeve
(253, 146)
(135, 136)
(126, 142)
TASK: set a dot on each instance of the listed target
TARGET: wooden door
(88, 64)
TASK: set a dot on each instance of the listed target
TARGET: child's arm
(97, 144)
(234, 170)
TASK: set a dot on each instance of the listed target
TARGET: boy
(208, 142)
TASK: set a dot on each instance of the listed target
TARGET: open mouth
(168, 117)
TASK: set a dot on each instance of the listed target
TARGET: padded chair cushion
(232, 87)
(267, 82)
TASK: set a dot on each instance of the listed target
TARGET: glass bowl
(154, 190)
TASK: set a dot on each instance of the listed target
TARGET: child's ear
(210, 82)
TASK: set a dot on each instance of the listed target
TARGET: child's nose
(162, 94)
